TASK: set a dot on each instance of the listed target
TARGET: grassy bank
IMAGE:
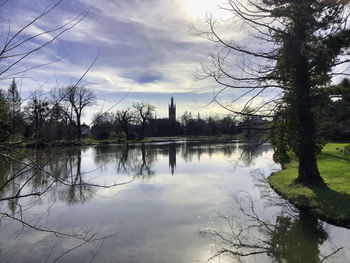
(329, 201)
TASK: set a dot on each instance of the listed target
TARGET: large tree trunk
(143, 129)
(78, 130)
(305, 120)
(308, 173)
(306, 133)
(126, 130)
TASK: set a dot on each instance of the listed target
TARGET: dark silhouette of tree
(14, 104)
(147, 159)
(14, 99)
(288, 235)
(72, 100)
(124, 119)
(287, 239)
(37, 112)
(5, 118)
(78, 191)
(103, 125)
(279, 139)
(144, 113)
(228, 125)
(335, 122)
(185, 120)
(290, 50)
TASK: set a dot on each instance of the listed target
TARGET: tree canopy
(292, 48)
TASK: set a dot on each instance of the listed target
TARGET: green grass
(329, 201)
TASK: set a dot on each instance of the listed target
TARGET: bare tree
(124, 119)
(72, 100)
(16, 45)
(186, 119)
(144, 113)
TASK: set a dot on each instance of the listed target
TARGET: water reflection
(172, 157)
(59, 171)
(175, 188)
(137, 159)
(285, 235)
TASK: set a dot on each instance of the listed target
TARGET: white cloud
(137, 40)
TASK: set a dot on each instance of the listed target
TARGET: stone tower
(172, 110)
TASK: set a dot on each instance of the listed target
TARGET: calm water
(181, 202)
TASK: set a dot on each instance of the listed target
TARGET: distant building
(254, 125)
(85, 129)
(172, 110)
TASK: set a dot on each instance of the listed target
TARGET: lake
(184, 201)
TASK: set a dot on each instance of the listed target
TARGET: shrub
(347, 150)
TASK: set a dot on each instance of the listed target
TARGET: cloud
(146, 48)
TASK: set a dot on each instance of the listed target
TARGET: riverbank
(82, 142)
(90, 141)
(329, 201)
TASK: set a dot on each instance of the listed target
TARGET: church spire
(172, 110)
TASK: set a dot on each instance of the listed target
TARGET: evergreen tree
(335, 122)
(37, 112)
(14, 101)
(307, 55)
(295, 47)
(4, 118)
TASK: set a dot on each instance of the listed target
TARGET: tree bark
(143, 128)
(78, 129)
(308, 172)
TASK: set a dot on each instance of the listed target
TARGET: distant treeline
(128, 124)
(56, 115)
(43, 117)
(334, 122)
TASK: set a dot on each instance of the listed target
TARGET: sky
(146, 51)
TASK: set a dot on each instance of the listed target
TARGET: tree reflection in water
(56, 175)
(63, 177)
(129, 159)
(288, 235)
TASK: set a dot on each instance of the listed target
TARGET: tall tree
(124, 119)
(72, 100)
(102, 125)
(14, 99)
(37, 111)
(5, 119)
(144, 112)
(14, 103)
(292, 48)
(335, 122)
(186, 117)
